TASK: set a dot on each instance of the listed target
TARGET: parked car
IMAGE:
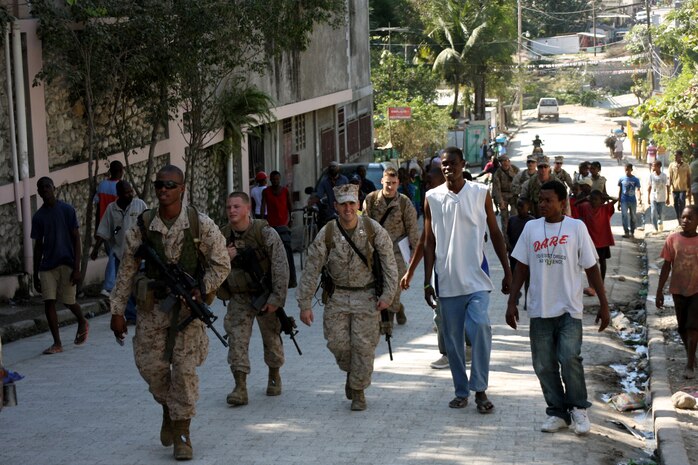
(548, 108)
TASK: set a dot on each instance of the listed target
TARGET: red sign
(399, 113)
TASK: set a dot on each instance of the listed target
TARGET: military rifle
(377, 270)
(247, 260)
(180, 285)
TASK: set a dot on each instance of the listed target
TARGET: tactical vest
(239, 281)
(189, 258)
(370, 238)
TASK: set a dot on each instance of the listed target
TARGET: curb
(667, 431)
(25, 328)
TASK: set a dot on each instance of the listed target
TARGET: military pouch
(168, 304)
(327, 284)
(144, 295)
(223, 292)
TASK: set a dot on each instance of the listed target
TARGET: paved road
(90, 406)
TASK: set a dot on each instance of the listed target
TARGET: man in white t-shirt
(457, 213)
(256, 195)
(658, 194)
(554, 250)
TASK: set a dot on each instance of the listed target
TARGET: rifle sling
(351, 243)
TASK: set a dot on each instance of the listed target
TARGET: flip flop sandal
(484, 406)
(458, 402)
(54, 349)
(81, 337)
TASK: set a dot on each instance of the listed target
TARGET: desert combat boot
(358, 401)
(182, 441)
(239, 395)
(274, 383)
(166, 428)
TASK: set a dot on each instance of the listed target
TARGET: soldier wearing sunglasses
(168, 364)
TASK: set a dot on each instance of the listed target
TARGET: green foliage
(424, 133)
(673, 115)
(393, 79)
(545, 18)
(468, 39)
(393, 13)
(678, 35)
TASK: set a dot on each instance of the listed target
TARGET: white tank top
(459, 223)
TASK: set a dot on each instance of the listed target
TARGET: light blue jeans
(556, 346)
(627, 214)
(657, 214)
(110, 270)
(462, 315)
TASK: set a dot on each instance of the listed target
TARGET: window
(299, 121)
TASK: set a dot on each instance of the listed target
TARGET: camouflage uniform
(563, 176)
(518, 182)
(173, 383)
(502, 192)
(241, 313)
(400, 223)
(351, 323)
(531, 190)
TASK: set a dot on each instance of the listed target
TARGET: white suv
(547, 107)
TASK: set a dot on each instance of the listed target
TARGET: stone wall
(5, 152)
(210, 183)
(11, 244)
(66, 127)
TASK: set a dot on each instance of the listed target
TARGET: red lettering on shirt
(550, 242)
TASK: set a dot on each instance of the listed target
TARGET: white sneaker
(105, 293)
(553, 424)
(441, 363)
(580, 420)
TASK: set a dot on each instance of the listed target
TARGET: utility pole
(518, 54)
(649, 45)
(593, 23)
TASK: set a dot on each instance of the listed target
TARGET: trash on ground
(642, 435)
(625, 402)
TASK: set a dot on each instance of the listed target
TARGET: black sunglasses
(166, 184)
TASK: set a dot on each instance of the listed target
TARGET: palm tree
(472, 35)
(243, 110)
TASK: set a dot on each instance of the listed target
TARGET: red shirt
(277, 207)
(598, 223)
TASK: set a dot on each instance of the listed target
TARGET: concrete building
(323, 112)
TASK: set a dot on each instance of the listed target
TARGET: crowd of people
(553, 225)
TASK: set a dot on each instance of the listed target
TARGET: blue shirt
(627, 185)
(53, 225)
(326, 189)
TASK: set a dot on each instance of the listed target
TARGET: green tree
(545, 18)
(673, 115)
(393, 79)
(426, 131)
(469, 40)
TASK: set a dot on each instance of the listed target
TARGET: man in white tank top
(456, 218)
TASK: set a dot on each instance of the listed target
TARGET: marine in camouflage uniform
(400, 223)
(351, 319)
(173, 382)
(531, 188)
(522, 177)
(560, 173)
(253, 240)
(502, 193)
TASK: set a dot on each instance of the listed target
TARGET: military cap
(559, 159)
(542, 160)
(531, 158)
(503, 158)
(346, 193)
